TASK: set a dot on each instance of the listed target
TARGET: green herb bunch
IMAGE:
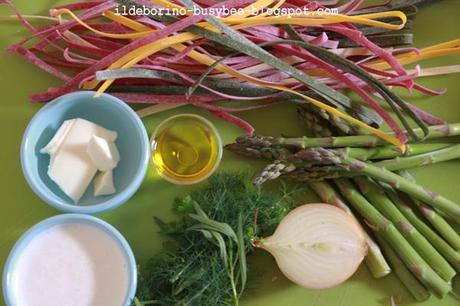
(211, 240)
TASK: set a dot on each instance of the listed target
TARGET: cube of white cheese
(70, 166)
(103, 153)
(103, 184)
(53, 146)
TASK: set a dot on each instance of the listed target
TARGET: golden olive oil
(186, 149)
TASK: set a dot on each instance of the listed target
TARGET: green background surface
(20, 208)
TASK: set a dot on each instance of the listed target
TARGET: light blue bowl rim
(119, 198)
(67, 219)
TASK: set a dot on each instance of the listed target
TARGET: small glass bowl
(186, 118)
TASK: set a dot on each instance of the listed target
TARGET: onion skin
(317, 246)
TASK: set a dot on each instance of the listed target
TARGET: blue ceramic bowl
(38, 228)
(110, 113)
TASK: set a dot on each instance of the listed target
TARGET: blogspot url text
(222, 11)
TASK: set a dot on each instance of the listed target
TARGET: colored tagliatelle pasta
(238, 55)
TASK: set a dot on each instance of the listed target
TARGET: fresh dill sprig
(212, 238)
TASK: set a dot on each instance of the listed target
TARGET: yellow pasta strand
(134, 35)
(443, 49)
(448, 44)
(132, 24)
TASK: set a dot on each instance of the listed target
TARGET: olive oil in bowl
(186, 149)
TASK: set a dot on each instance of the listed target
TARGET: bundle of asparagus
(344, 167)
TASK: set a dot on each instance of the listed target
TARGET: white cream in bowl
(71, 264)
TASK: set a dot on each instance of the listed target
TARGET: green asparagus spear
(266, 152)
(377, 153)
(440, 244)
(381, 174)
(408, 255)
(417, 290)
(437, 131)
(441, 155)
(318, 163)
(376, 195)
(436, 220)
(384, 152)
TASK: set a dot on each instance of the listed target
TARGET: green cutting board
(20, 208)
